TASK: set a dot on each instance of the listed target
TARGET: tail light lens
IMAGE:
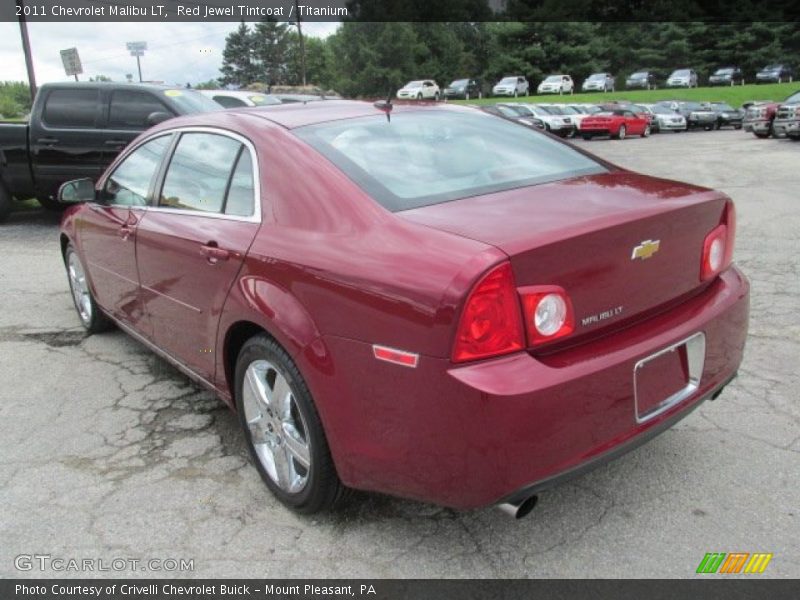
(718, 246)
(548, 313)
(491, 323)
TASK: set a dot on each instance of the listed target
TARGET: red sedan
(617, 123)
(432, 302)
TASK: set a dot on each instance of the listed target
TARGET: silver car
(665, 118)
(787, 118)
(682, 78)
(515, 85)
(598, 82)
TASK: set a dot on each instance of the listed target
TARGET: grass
(735, 96)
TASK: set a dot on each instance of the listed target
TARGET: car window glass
(130, 109)
(71, 108)
(130, 182)
(198, 172)
(241, 194)
(229, 101)
(426, 157)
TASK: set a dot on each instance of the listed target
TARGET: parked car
(727, 116)
(697, 115)
(424, 89)
(787, 118)
(775, 73)
(514, 85)
(514, 113)
(530, 300)
(556, 84)
(666, 119)
(758, 118)
(464, 88)
(559, 125)
(598, 82)
(682, 78)
(727, 76)
(573, 114)
(617, 124)
(77, 129)
(645, 80)
(240, 98)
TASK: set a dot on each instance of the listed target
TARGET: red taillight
(718, 246)
(548, 313)
(490, 324)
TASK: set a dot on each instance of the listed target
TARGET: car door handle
(214, 253)
(48, 141)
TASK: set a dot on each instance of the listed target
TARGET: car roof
(301, 114)
(115, 84)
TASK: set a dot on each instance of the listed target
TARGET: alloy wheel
(277, 428)
(80, 288)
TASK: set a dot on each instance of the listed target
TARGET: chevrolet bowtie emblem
(646, 249)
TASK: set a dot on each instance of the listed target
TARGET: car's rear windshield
(190, 101)
(421, 158)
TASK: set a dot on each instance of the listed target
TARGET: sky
(177, 52)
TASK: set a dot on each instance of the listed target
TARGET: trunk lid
(582, 234)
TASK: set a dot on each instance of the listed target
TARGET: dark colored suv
(727, 76)
(644, 80)
(777, 73)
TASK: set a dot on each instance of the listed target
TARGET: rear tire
(586, 137)
(274, 418)
(646, 132)
(5, 204)
(621, 133)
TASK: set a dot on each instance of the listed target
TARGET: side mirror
(77, 191)
(155, 118)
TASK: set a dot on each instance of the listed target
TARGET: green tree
(270, 42)
(238, 67)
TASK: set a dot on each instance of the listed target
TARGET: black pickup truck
(77, 129)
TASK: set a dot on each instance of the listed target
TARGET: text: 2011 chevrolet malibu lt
(434, 302)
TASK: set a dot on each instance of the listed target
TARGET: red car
(429, 301)
(617, 123)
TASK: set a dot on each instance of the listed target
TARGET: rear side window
(130, 109)
(129, 184)
(229, 101)
(199, 172)
(241, 193)
(71, 108)
(425, 157)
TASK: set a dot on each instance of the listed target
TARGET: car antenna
(385, 106)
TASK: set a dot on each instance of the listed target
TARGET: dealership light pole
(302, 44)
(26, 48)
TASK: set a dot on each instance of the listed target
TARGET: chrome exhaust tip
(520, 508)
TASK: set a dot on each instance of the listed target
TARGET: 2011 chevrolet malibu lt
(431, 302)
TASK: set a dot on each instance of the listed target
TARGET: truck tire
(50, 204)
(5, 204)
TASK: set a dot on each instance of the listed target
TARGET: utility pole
(26, 48)
(302, 44)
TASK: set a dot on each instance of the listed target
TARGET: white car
(559, 124)
(514, 85)
(556, 84)
(423, 89)
(239, 98)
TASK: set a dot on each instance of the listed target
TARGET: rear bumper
(474, 435)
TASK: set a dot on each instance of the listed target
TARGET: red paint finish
(610, 124)
(333, 276)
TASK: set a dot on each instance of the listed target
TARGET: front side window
(421, 158)
(130, 109)
(199, 172)
(129, 184)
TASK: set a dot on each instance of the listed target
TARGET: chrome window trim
(254, 218)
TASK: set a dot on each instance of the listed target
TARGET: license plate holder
(667, 377)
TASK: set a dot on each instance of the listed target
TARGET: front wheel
(586, 137)
(92, 318)
(436, 97)
(622, 132)
(49, 204)
(646, 132)
(282, 428)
